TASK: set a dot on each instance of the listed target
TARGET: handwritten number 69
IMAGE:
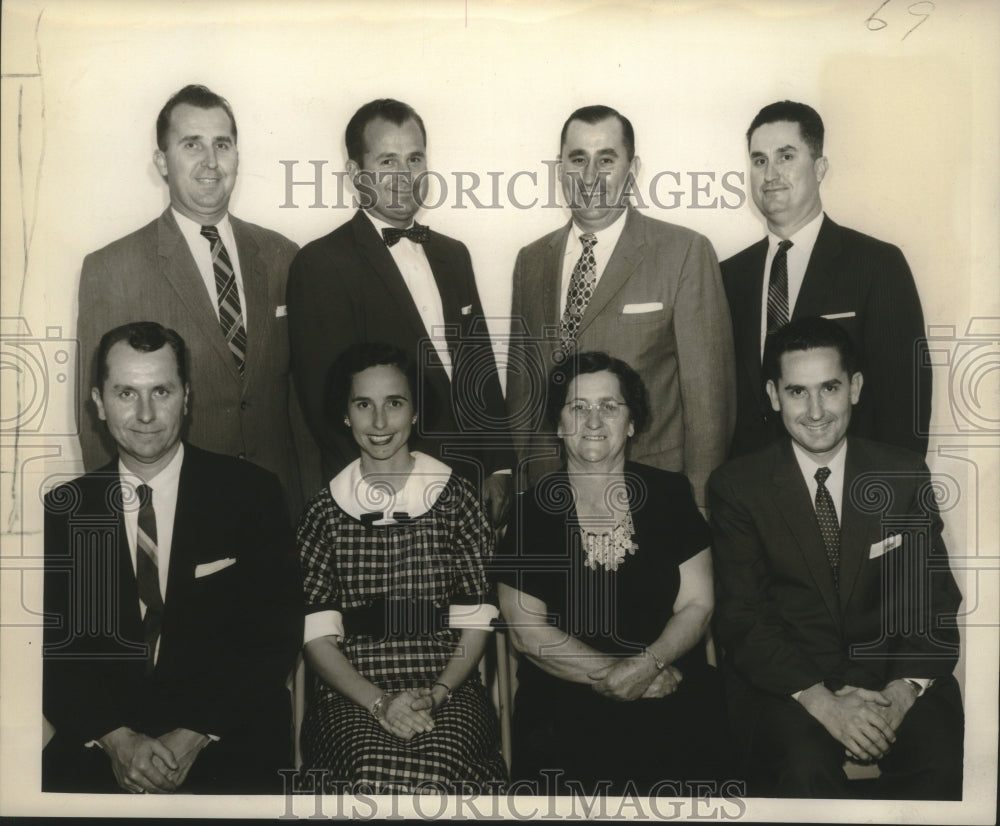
(921, 9)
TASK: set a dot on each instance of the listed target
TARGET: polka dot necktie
(777, 289)
(829, 527)
(581, 290)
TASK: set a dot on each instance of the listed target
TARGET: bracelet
(659, 665)
(445, 687)
(380, 706)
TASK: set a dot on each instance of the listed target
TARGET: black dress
(568, 727)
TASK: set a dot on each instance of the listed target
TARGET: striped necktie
(147, 574)
(230, 311)
(777, 289)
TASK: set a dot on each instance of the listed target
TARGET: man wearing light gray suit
(218, 281)
(643, 290)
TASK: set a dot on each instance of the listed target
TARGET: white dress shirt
(607, 239)
(201, 249)
(416, 270)
(797, 257)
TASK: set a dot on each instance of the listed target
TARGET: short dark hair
(388, 109)
(359, 357)
(633, 389)
(808, 119)
(595, 114)
(193, 95)
(809, 333)
(146, 337)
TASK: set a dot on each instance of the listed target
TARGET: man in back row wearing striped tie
(218, 281)
(810, 266)
(172, 599)
(835, 602)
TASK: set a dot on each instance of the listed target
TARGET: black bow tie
(397, 517)
(418, 234)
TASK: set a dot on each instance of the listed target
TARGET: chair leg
(504, 692)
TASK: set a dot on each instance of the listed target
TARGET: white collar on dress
(421, 490)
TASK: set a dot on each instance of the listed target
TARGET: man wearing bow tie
(383, 277)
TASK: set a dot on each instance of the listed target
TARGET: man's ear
(95, 394)
(821, 166)
(856, 381)
(187, 394)
(161, 162)
(772, 394)
(352, 168)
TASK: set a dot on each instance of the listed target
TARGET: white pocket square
(467, 309)
(648, 307)
(281, 311)
(851, 314)
(208, 568)
(886, 544)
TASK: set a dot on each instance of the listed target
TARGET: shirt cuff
(323, 624)
(472, 616)
(920, 683)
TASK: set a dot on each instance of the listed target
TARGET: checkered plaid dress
(347, 564)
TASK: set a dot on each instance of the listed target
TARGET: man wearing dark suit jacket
(642, 290)
(818, 268)
(835, 602)
(383, 277)
(174, 270)
(172, 600)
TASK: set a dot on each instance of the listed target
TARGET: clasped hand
(144, 764)
(865, 721)
(635, 678)
(407, 714)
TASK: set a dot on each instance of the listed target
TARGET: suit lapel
(746, 312)
(186, 530)
(791, 496)
(551, 276)
(375, 252)
(627, 256)
(857, 528)
(178, 268)
(255, 297)
(820, 275)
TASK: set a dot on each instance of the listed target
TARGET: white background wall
(911, 138)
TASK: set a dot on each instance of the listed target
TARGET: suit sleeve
(706, 363)
(96, 314)
(897, 374)
(522, 367)
(923, 595)
(746, 619)
(322, 323)
(481, 394)
(246, 680)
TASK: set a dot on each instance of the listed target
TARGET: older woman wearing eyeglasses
(606, 585)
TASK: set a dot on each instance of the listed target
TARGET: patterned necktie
(777, 289)
(230, 311)
(147, 566)
(829, 527)
(418, 233)
(581, 290)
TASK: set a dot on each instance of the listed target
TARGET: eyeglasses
(608, 409)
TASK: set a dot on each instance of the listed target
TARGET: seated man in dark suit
(172, 599)
(810, 266)
(835, 603)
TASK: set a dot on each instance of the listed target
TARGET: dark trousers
(793, 755)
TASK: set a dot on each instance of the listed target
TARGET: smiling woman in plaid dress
(397, 601)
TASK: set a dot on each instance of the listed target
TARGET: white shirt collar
(169, 476)
(192, 229)
(804, 239)
(608, 237)
(380, 224)
(421, 490)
